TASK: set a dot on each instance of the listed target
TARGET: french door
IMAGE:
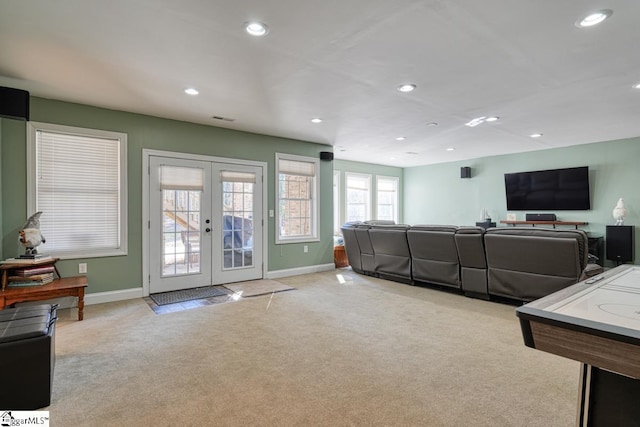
(205, 223)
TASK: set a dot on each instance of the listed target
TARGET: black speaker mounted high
(14, 103)
(465, 172)
(326, 155)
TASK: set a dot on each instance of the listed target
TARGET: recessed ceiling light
(535, 135)
(316, 120)
(191, 91)
(491, 119)
(256, 28)
(450, 149)
(400, 138)
(636, 86)
(407, 88)
(476, 121)
(432, 124)
(593, 18)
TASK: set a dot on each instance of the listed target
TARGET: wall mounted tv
(556, 189)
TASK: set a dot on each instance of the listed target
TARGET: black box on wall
(326, 155)
(14, 103)
(465, 172)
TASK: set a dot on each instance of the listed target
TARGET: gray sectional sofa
(517, 263)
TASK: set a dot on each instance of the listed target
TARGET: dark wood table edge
(66, 286)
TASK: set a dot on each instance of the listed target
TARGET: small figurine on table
(30, 236)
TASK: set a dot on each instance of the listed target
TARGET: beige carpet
(257, 287)
(342, 350)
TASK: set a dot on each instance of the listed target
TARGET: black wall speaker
(14, 103)
(465, 172)
(619, 243)
(540, 217)
(326, 155)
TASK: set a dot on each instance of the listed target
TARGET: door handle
(207, 230)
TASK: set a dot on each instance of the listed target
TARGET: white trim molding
(113, 296)
(277, 274)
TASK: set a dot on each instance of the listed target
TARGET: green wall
(146, 132)
(374, 170)
(436, 194)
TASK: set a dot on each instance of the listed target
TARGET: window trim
(336, 203)
(395, 179)
(315, 200)
(32, 128)
(368, 208)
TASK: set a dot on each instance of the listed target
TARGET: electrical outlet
(271, 213)
(306, 249)
(82, 268)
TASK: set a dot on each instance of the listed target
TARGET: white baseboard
(300, 270)
(132, 293)
(97, 298)
(111, 296)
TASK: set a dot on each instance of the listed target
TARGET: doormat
(182, 295)
(257, 287)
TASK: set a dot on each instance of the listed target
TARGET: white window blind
(181, 178)
(294, 167)
(79, 188)
(235, 176)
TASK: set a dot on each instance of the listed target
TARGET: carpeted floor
(257, 287)
(183, 295)
(342, 350)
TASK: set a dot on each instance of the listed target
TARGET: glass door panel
(240, 223)
(180, 245)
(181, 232)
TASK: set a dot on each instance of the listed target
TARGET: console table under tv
(553, 223)
(597, 323)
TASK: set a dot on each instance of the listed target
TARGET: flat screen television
(548, 190)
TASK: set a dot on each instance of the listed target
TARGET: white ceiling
(522, 60)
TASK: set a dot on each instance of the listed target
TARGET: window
(387, 198)
(77, 178)
(358, 197)
(336, 203)
(297, 213)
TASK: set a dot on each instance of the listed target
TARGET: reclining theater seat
(351, 246)
(529, 263)
(366, 250)
(473, 261)
(391, 252)
(434, 254)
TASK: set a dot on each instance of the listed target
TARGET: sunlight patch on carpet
(254, 288)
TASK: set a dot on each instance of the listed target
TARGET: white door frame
(146, 154)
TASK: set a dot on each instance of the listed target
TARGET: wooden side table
(5, 266)
(60, 287)
(65, 287)
(340, 257)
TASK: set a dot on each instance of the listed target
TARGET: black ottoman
(27, 356)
